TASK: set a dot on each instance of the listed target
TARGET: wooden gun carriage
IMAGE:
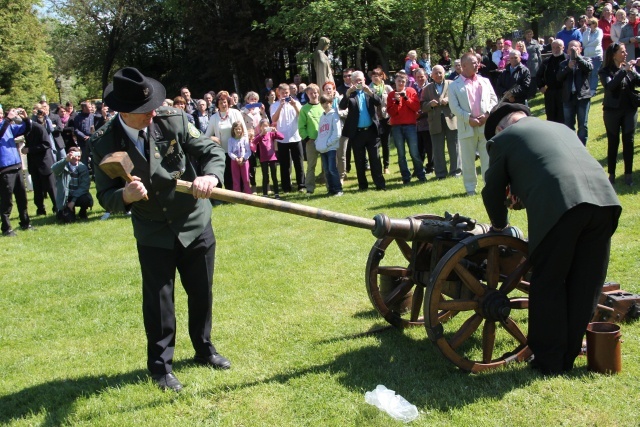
(456, 278)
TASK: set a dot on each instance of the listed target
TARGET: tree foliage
(218, 44)
(101, 32)
(24, 65)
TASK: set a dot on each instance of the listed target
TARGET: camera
(359, 86)
(254, 105)
(269, 129)
(288, 99)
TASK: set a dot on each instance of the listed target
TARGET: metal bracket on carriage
(616, 305)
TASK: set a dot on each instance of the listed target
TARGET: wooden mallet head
(118, 165)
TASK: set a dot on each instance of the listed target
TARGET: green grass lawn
(290, 311)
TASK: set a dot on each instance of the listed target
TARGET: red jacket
(605, 26)
(405, 111)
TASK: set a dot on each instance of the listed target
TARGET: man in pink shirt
(471, 98)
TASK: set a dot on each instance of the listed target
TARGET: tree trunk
(384, 61)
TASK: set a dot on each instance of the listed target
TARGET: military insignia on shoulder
(193, 131)
(177, 174)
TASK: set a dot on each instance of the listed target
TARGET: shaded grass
(290, 311)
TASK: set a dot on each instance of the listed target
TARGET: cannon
(467, 286)
(463, 278)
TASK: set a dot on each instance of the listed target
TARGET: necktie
(143, 143)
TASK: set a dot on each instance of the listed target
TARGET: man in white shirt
(284, 114)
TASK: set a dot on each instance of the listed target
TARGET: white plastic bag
(392, 403)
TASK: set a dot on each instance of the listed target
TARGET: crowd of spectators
(420, 106)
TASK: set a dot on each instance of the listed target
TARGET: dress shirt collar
(469, 80)
(131, 132)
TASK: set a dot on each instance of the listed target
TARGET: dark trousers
(569, 268)
(425, 147)
(384, 129)
(195, 265)
(228, 178)
(43, 184)
(11, 184)
(365, 143)
(83, 202)
(252, 169)
(553, 105)
(288, 153)
(266, 166)
(616, 122)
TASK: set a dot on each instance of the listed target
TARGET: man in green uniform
(173, 230)
(572, 212)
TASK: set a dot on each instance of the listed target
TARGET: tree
(24, 65)
(101, 31)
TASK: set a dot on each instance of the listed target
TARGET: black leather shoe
(27, 227)
(167, 382)
(215, 361)
(41, 212)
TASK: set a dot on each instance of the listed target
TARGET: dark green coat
(549, 169)
(167, 213)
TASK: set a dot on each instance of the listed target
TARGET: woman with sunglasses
(620, 112)
(592, 43)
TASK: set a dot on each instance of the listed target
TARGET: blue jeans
(408, 133)
(330, 166)
(593, 78)
(579, 108)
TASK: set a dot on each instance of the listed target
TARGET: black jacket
(618, 87)
(517, 83)
(548, 71)
(351, 103)
(57, 130)
(579, 77)
(39, 158)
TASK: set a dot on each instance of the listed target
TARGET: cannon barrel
(280, 206)
(381, 225)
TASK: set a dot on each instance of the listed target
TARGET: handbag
(67, 215)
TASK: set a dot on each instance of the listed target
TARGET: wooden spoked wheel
(483, 280)
(391, 288)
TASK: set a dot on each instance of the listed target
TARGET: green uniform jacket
(167, 213)
(549, 169)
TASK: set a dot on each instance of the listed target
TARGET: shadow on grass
(413, 202)
(414, 368)
(56, 399)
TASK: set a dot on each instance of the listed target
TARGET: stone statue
(321, 63)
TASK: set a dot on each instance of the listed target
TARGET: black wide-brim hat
(132, 92)
(498, 113)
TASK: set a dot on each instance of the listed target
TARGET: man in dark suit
(572, 212)
(56, 131)
(549, 85)
(574, 74)
(39, 158)
(173, 230)
(361, 127)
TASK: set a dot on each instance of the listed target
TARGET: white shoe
(105, 216)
